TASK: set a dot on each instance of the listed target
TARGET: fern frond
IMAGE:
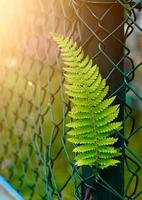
(92, 115)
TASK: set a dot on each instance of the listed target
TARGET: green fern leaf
(92, 115)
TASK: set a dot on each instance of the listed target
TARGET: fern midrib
(87, 92)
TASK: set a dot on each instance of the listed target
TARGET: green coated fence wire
(35, 157)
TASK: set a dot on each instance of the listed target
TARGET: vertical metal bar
(98, 21)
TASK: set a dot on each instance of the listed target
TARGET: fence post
(102, 35)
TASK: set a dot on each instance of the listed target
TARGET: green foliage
(92, 123)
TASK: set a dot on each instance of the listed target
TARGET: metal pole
(101, 28)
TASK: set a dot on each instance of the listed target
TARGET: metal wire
(35, 156)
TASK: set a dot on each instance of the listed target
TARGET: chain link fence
(35, 157)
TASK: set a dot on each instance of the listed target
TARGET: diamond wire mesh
(35, 156)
